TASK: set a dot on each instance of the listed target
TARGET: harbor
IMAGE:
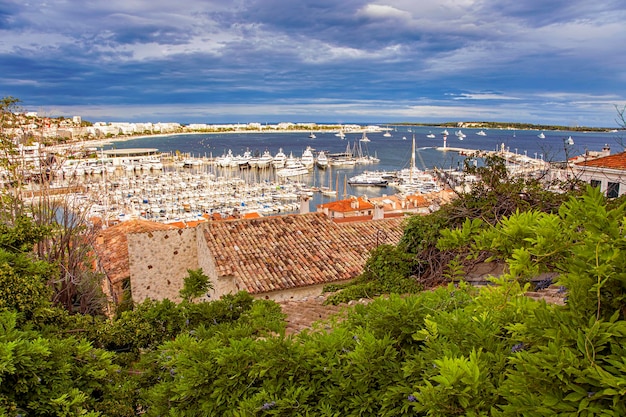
(189, 178)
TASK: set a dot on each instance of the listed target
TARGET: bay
(394, 152)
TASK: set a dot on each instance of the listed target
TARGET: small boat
(364, 138)
(387, 134)
(541, 136)
(569, 141)
(445, 132)
(460, 134)
(340, 134)
(312, 136)
(481, 133)
(430, 135)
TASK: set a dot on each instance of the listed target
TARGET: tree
(195, 285)
(26, 191)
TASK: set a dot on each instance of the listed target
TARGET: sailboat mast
(412, 159)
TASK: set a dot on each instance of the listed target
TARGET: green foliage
(195, 285)
(388, 270)
(50, 376)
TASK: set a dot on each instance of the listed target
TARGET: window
(596, 183)
(612, 190)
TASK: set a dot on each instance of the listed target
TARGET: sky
(327, 61)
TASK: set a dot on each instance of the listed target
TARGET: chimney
(354, 203)
(379, 212)
(304, 204)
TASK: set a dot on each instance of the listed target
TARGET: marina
(178, 178)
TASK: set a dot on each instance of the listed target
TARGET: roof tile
(283, 252)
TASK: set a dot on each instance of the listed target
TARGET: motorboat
(368, 179)
(481, 133)
(308, 160)
(541, 135)
(322, 160)
(279, 159)
(430, 135)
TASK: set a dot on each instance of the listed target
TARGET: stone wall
(158, 262)
(206, 261)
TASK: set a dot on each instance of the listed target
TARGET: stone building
(279, 257)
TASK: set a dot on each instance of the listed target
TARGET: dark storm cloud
(409, 58)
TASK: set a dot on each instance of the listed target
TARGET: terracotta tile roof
(112, 246)
(345, 206)
(283, 252)
(617, 161)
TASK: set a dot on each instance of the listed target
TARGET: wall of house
(294, 294)
(158, 262)
(206, 261)
(604, 176)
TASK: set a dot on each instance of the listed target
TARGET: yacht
(430, 135)
(279, 159)
(387, 134)
(308, 160)
(368, 179)
(293, 168)
(569, 141)
(445, 132)
(322, 160)
(460, 134)
(264, 160)
(481, 133)
(364, 138)
(541, 135)
(312, 136)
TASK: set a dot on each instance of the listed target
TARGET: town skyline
(352, 62)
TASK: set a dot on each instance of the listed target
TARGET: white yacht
(364, 138)
(368, 179)
(541, 135)
(322, 160)
(430, 135)
(481, 133)
(293, 168)
(308, 160)
(264, 160)
(279, 159)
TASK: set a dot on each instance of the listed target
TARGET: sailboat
(364, 138)
(328, 191)
(312, 135)
(387, 133)
(340, 134)
(413, 179)
(541, 135)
